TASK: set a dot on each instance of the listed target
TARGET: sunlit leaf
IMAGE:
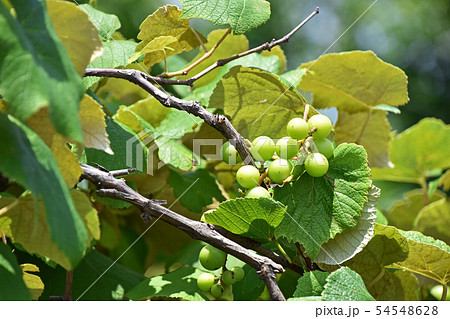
(345, 285)
(13, 286)
(434, 220)
(311, 284)
(34, 282)
(106, 23)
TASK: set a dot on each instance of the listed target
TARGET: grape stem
(108, 186)
(282, 251)
(444, 291)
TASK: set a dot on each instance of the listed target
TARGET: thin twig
(108, 186)
(202, 58)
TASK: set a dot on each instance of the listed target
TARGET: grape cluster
(212, 258)
(307, 145)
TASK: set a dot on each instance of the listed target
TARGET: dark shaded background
(411, 34)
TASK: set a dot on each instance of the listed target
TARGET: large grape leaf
(12, 287)
(249, 288)
(351, 241)
(354, 81)
(345, 285)
(417, 151)
(36, 69)
(241, 15)
(387, 246)
(201, 188)
(403, 212)
(255, 218)
(178, 284)
(166, 24)
(31, 229)
(370, 129)
(320, 208)
(434, 220)
(106, 23)
(257, 102)
(427, 256)
(311, 284)
(83, 43)
(31, 163)
(115, 53)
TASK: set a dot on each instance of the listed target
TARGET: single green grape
(217, 290)
(230, 154)
(212, 258)
(297, 128)
(323, 125)
(263, 148)
(287, 147)
(265, 295)
(316, 164)
(228, 277)
(238, 273)
(247, 176)
(324, 146)
(257, 192)
(279, 170)
(205, 281)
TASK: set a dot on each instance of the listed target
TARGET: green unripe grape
(230, 154)
(279, 170)
(238, 273)
(263, 148)
(228, 277)
(316, 164)
(205, 281)
(297, 128)
(265, 295)
(217, 290)
(323, 125)
(247, 176)
(437, 291)
(324, 146)
(287, 147)
(212, 258)
(257, 192)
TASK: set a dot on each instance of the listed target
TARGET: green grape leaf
(354, 81)
(128, 150)
(106, 23)
(434, 220)
(177, 123)
(13, 286)
(34, 58)
(31, 163)
(115, 53)
(249, 288)
(387, 246)
(254, 218)
(230, 46)
(320, 208)
(166, 27)
(241, 15)
(257, 102)
(351, 241)
(176, 154)
(345, 285)
(201, 188)
(403, 212)
(427, 256)
(411, 149)
(374, 134)
(178, 284)
(311, 284)
(111, 279)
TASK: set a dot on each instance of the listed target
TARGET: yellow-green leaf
(370, 129)
(231, 45)
(403, 212)
(445, 181)
(33, 282)
(257, 102)
(427, 257)
(277, 51)
(67, 163)
(29, 226)
(93, 125)
(354, 81)
(417, 151)
(158, 49)
(76, 31)
(434, 220)
(166, 22)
